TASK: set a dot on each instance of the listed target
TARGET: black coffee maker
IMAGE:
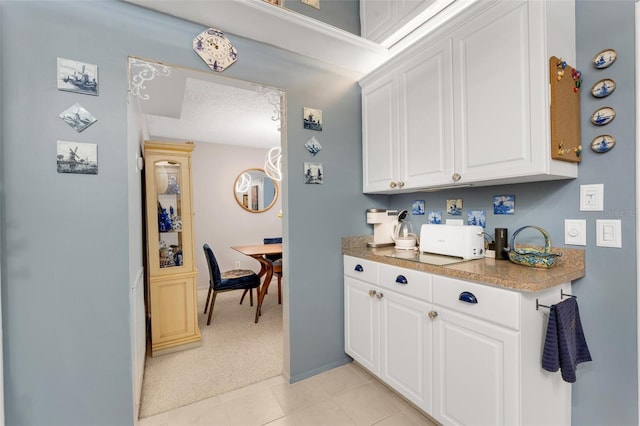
(501, 240)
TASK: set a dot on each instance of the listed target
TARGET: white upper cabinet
(380, 126)
(407, 122)
(472, 101)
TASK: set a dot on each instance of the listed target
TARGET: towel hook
(562, 296)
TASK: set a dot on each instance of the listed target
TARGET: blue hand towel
(565, 346)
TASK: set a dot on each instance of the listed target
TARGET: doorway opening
(233, 125)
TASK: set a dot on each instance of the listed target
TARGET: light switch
(609, 233)
(575, 232)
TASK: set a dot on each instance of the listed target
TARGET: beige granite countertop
(499, 273)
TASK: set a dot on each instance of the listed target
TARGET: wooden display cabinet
(171, 270)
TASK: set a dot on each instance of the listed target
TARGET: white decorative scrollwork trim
(274, 98)
(142, 71)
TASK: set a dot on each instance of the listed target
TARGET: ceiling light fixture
(273, 163)
(244, 182)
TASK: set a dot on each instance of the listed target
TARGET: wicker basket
(529, 256)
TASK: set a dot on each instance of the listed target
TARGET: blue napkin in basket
(565, 346)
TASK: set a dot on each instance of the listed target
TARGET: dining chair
(235, 279)
(276, 261)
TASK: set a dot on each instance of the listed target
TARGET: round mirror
(255, 191)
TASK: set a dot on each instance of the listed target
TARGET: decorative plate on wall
(605, 59)
(604, 115)
(603, 143)
(603, 88)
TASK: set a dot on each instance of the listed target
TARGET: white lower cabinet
(476, 373)
(405, 347)
(387, 332)
(362, 337)
(465, 353)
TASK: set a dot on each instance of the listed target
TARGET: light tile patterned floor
(344, 396)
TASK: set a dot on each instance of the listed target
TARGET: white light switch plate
(575, 232)
(592, 198)
(609, 233)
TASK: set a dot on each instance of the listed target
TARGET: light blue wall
(606, 389)
(65, 284)
(343, 14)
(71, 244)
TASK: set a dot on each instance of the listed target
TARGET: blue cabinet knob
(359, 268)
(468, 297)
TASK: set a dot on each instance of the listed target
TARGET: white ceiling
(178, 103)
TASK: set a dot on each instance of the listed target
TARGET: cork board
(565, 113)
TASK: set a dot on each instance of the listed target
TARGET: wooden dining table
(258, 252)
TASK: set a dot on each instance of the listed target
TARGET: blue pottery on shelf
(164, 221)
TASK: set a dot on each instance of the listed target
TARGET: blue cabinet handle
(468, 297)
(359, 268)
(401, 279)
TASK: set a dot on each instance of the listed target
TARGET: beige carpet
(235, 352)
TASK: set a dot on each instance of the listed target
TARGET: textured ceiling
(184, 104)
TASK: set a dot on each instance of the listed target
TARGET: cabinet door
(379, 135)
(405, 347)
(169, 214)
(361, 315)
(173, 317)
(476, 371)
(492, 76)
(426, 108)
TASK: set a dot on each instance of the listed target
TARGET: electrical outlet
(237, 264)
(575, 232)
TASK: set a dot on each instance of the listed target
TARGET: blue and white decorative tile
(476, 217)
(77, 117)
(312, 119)
(504, 204)
(417, 207)
(454, 207)
(434, 217)
(313, 146)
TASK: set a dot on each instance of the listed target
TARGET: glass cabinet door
(169, 219)
(169, 204)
